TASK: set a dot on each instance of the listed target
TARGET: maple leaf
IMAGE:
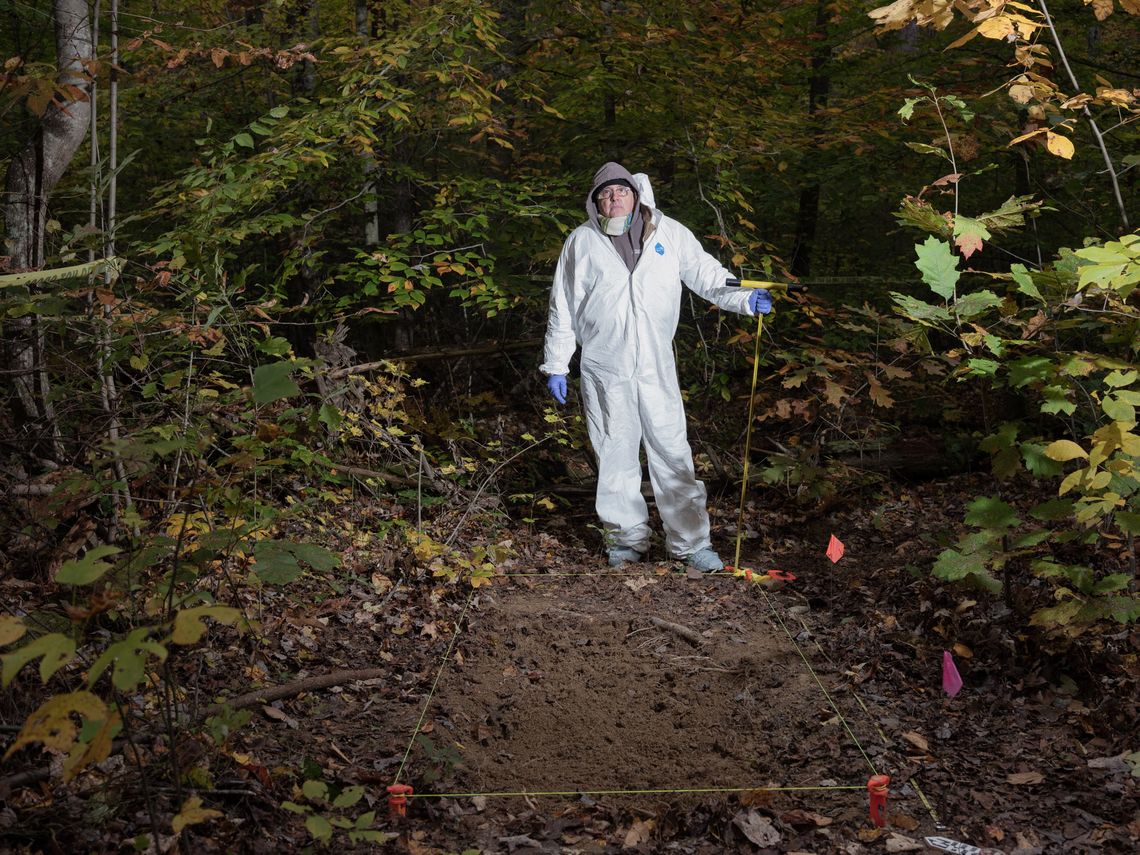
(969, 235)
(833, 392)
(879, 395)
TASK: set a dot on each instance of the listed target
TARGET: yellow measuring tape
(767, 286)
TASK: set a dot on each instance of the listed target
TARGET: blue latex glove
(760, 302)
(556, 383)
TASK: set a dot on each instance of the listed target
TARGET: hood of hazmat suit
(623, 316)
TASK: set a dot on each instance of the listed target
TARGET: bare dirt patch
(568, 684)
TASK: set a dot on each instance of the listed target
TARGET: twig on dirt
(23, 779)
(689, 635)
(308, 684)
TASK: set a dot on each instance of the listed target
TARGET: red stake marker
(877, 787)
(398, 799)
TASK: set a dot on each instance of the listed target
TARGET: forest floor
(567, 707)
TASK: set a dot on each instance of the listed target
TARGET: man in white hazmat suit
(617, 294)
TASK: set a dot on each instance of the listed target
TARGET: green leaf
(1057, 401)
(926, 148)
(85, 570)
(1118, 379)
(188, 626)
(907, 109)
(975, 303)
(317, 791)
(1128, 522)
(1003, 438)
(1052, 510)
(938, 265)
(56, 649)
(244, 139)
(983, 367)
(1123, 610)
(279, 112)
(917, 310)
(319, 827)
(272, 382)
(1056, 615)
(990, 512)
(330, 416)
(129, 658)
(1030, 369)
(275, 563)
(1113, 582)
(1037, 463)
(1024, 282)
(277, 560)
(275, 345)
(952, 565)
(1031, 539)
(348, 797)
(320, 558)
(1117, 409)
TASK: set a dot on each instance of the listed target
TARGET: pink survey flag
(951, 680)
(834, 549)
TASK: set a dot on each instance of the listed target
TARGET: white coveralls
(625, 323)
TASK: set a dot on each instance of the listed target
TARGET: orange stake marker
(398, 799)
(877, 787)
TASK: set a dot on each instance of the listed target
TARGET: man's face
(615, 201)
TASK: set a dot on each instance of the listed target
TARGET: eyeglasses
(613, 193)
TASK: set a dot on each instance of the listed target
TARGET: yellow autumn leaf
(11, 629)
(1059, 145)
(879, 395)
(1024, 137)
(833, 392)
(1101, 8)
(1115, 97)
(188, 626)
(51, 724)
(999, 27)
(1063, 450)
(95, 751)
(893, 17)
(1071, 481)
(545, 503)
(192, 813)
(1021, 93)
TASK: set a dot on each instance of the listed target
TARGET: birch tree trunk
(32, 175)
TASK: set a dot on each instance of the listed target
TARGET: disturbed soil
(563, 683)
(566, 707)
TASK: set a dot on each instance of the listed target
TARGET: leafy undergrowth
(1036, 754)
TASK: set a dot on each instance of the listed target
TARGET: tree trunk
(32, 176)
(819, 87)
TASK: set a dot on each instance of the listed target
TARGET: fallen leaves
(1024, 778)
(639, 833)
(917, 740)
(639, 582)
(757, 828)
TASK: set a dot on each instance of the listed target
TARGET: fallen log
(428, 355)
(307, 684)
(684, 632)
